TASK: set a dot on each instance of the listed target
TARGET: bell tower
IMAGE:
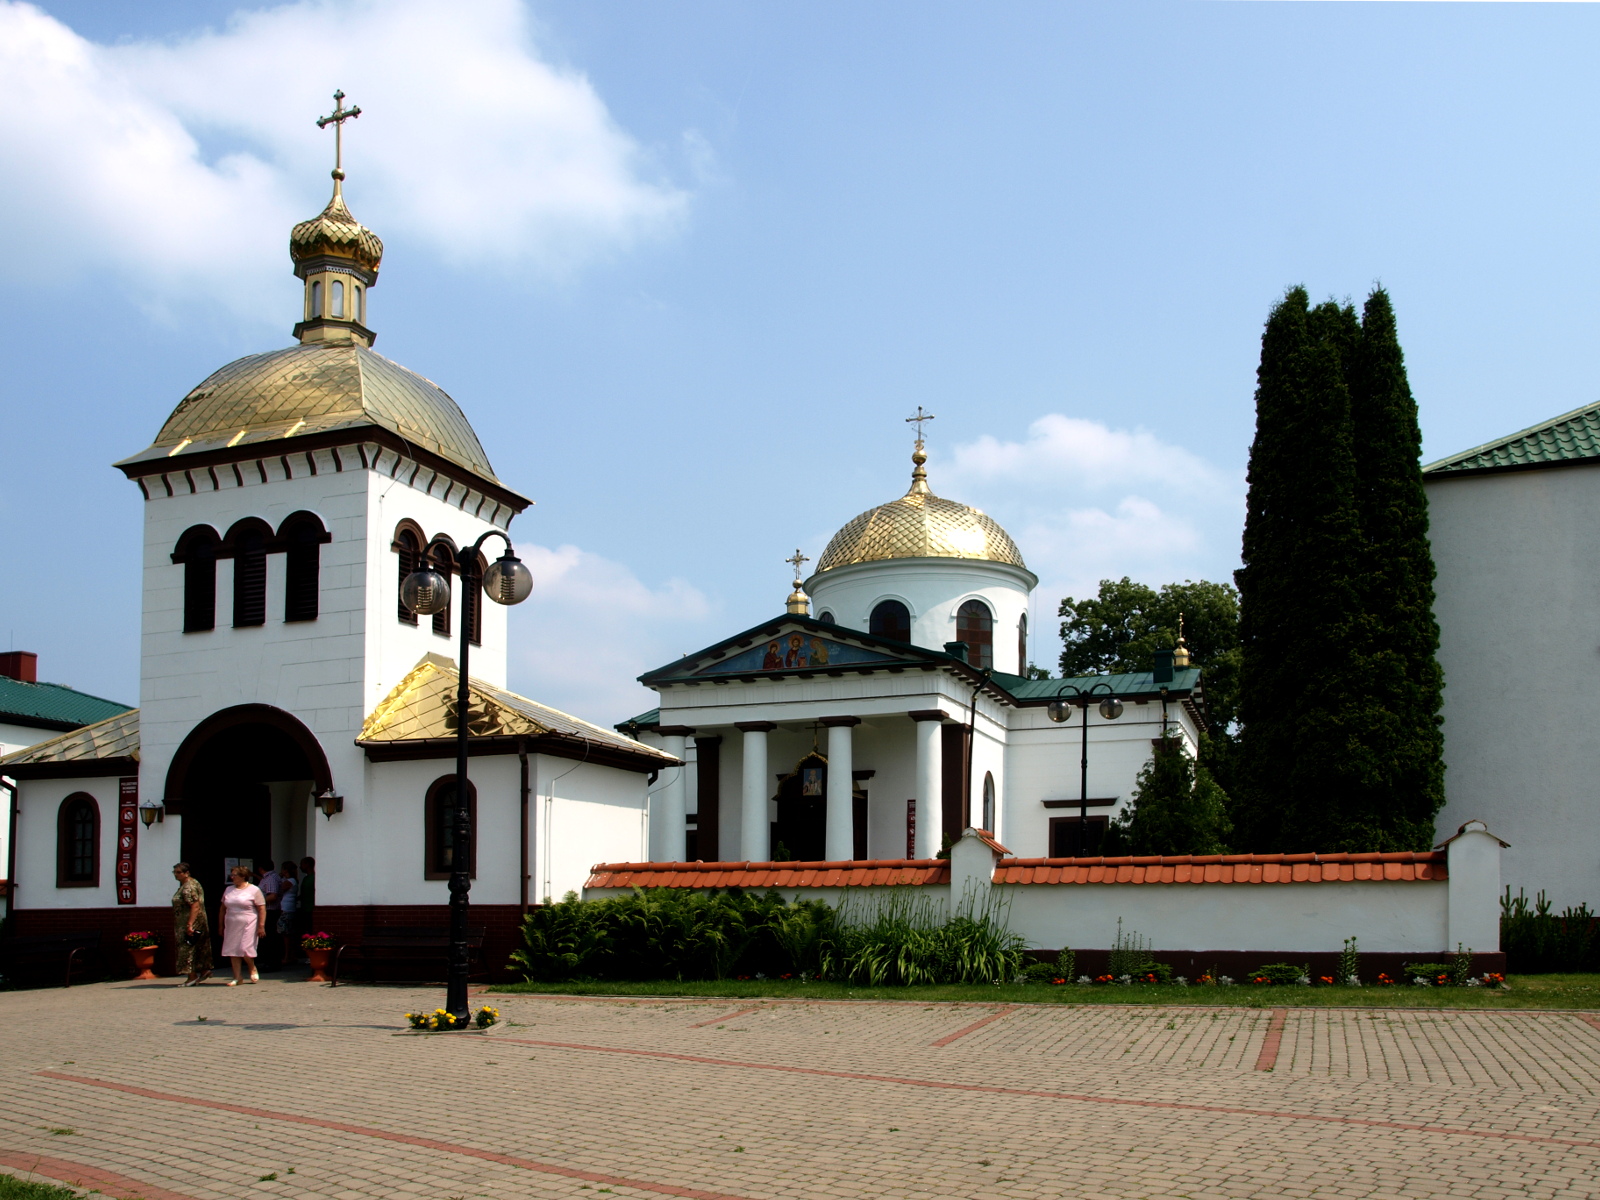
(337, 256)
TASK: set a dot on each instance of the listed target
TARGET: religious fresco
(794, 651)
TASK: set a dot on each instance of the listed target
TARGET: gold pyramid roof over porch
(422, 709)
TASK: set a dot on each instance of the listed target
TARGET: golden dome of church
(920, 525)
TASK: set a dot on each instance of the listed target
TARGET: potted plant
(141, 944)
(318, 947)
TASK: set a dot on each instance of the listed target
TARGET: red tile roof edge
(1172, 860)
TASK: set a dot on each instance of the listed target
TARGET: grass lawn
(1526, 991)
(13, 1188)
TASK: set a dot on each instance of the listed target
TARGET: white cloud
(1086, 502)
(592, 627)
(470, 144)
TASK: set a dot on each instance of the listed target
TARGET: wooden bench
(66, 950)
(406, 946)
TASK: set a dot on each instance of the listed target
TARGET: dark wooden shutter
(199, 588)
(250, 580)
(408, 557)
(302, 572)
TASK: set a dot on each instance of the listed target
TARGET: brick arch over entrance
(230, 719)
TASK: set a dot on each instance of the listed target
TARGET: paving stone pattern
(708, 1099)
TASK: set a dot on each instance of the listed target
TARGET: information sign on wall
(127, 840)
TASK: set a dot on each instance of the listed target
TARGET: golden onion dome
(335, 233)
(920, 525)
(316, 388)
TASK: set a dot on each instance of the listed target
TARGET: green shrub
(1536, 941)
(12, 1188)
(1278, 974)
(1039, 972)
(1130, 954)
(1067, 964)
(1349, 963)
(1440, 974)
(900, 937)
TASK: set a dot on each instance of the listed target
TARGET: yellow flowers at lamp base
(440, 1021)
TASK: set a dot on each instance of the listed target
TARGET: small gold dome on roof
(920, 525)
(314, 388)
(335, 233)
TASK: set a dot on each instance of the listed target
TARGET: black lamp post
(1060, 709)
(425, 592)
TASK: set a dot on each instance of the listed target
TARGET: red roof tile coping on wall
(861, 873)
(1228, 868)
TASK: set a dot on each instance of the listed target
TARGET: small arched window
(472, 599)
(407, 546)
(301, 535)
(78, 842)
(197, 551)
(440, 813)
(825, 617)
(891, 619)
(975, 627)
(336, 295)
(1022, 645)
(247, 544)
(358, 303)
(316, 299)
(988, 801)
(442, 554)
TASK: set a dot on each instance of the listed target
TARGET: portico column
(839, 840)
(755, 830)
(930, 779)
(670, 845)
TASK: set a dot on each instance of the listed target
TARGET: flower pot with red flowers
(141, 944)
(318, 948)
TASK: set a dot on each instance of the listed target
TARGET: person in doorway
(288, 906)
(243, 917)
(271, 884)
(190, 933)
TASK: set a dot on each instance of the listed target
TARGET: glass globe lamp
(1060, 710)
(1111, 708)
(507, 580)
(425, 592)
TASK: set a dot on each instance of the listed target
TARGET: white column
(840, 839)
(670, 841)
(755, 827)
(930, 781)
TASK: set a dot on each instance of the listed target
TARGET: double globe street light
(1059, 711)
(425, 592)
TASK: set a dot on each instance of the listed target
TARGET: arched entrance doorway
(242, 782)
(800, 834)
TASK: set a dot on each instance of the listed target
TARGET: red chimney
(22, 665)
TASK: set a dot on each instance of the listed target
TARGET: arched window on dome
(246, 544)
(301, 535)
(988, 801)
(316, 300)
(336, 296)
(358, 304)
(891, 619)
(975, 627)
(407, 546)
(197, 551)
(826, 617)
(1022, 645)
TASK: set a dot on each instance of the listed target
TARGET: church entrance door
(800, 832)
(242, 782)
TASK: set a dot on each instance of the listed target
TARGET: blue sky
(687, 267)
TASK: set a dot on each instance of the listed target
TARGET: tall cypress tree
(1405, 743)
(1339, 702)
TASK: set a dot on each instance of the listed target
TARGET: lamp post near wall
(1060, 710)
(425, 592)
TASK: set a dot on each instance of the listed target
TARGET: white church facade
(290, 704)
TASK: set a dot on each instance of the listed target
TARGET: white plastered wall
(39, 805)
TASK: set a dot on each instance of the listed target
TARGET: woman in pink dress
(243, 919)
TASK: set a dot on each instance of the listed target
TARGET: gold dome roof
(313, 388)
(920, 525)
(335, 233)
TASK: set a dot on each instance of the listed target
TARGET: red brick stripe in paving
(995, 1090)
(743, 1012)
(80, 1176)
(1268, 1058)
(975, 1026)
(508, 1160)
(1595, 1021)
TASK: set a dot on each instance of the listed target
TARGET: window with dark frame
(1022, 645)
(197, 551)
(439, 812)
(890, 619)
(1064, 836)
(249, 578)
(302, 536)
(975, 627)
(407, 546)
(78, 842)
(442, 554)
(472, 598)
(988, 801)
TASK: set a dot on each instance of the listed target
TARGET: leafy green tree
(1177, 808)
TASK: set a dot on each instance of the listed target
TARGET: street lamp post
(425, 592)
(1060, 709)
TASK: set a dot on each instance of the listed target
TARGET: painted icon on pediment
(811, 781)
(795, 651)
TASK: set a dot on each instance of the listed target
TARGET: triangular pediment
(788, 645)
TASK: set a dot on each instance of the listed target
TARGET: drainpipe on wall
(522, 756)
(12, 805)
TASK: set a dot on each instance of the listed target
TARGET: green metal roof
(643, 720)
(52, 705)
(1130, 683)
(1571, 437)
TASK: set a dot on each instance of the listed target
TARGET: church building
(290, 703)
(889, 709)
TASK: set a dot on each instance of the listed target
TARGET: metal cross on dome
(797, 558)
(337, 118)
(918, 420)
